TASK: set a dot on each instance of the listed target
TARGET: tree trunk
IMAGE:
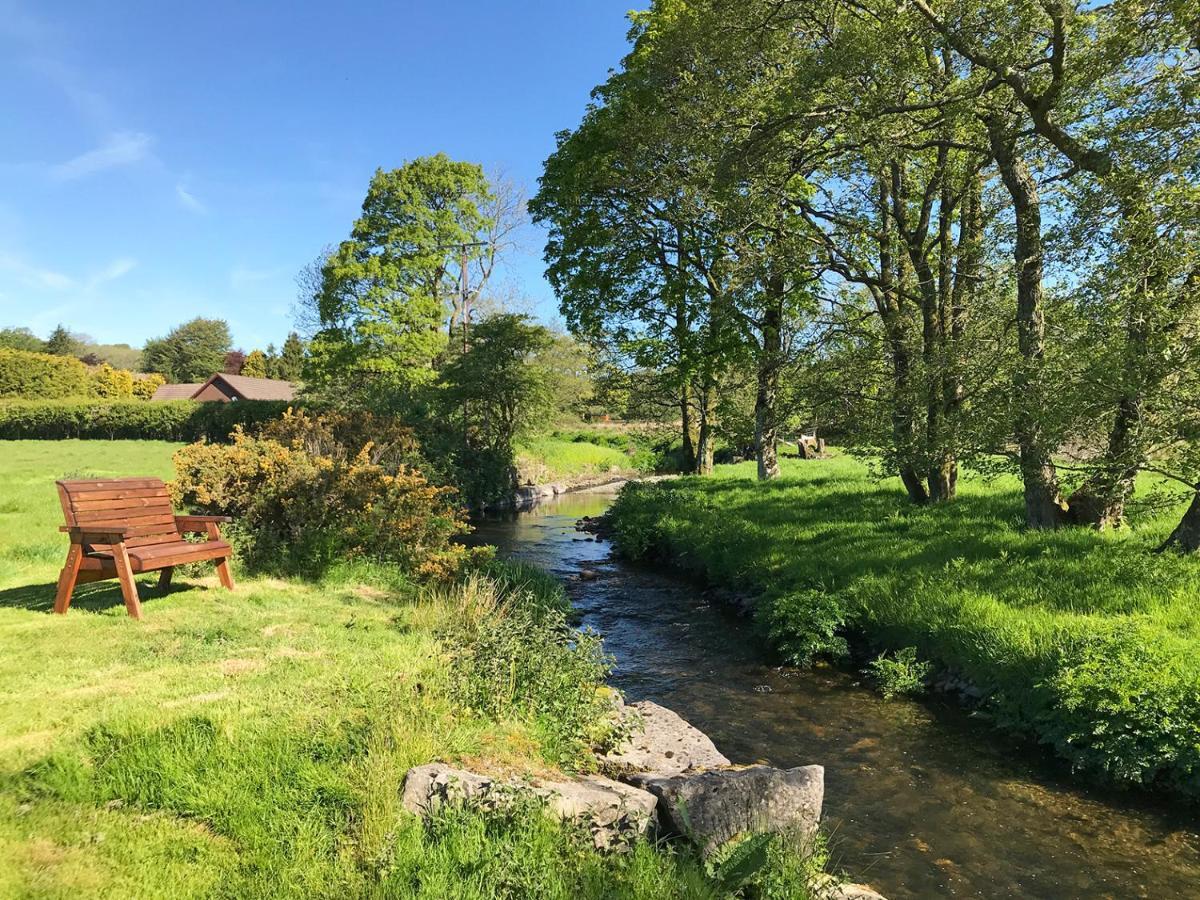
(766, 425)
(1186, 536)
(685, 416)
(1100, 501)
(704, 445)
(1044, 507)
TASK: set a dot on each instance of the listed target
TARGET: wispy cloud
(123, 148)
(118, 268)
(189, 201)
(243, 277)
(31, 276)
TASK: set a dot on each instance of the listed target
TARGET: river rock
(826, 887)
(615, 813)
(713, 806)
(664, 744)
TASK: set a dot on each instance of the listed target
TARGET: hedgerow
(42, 376)
(174, 420)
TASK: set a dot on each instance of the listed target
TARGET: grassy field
(249, 744)
(1089, 641)
(548, 459)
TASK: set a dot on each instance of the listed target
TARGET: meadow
(1087, 641)
(253, 743)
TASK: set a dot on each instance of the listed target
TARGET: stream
(921, 800)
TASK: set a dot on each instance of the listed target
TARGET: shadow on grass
(94, 597)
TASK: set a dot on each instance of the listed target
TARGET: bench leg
(224, 573)
(128, 587)
(164, 578)
(67, 578)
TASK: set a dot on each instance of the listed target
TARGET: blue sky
(165, 160)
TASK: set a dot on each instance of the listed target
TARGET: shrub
(42, 376)
(300, 510)
(513, 654)
(176, 420)
(901, 674)
(1123, 705)
(807, 624)
(144, 387)
(112, 384)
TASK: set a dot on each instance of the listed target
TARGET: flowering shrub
(297, 509)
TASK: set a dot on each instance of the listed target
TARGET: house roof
(248, 388)
(175, 391)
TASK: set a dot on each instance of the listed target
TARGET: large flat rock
(714, 806)
(664, 744)
(614, 813)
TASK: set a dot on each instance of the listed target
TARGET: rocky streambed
(921, 800)
(668, 780)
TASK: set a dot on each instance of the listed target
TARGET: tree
(235, 362)
(501, 385)
(385, 293)
(63, 343)
(21, 339)
(255, 365)
(191, 352)
(290, 362)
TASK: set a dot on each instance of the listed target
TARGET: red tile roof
(175, 391)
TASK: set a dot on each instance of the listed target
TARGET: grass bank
(1088, 641)
(588, 453)
(252, 744)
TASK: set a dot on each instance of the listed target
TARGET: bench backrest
(140, 504)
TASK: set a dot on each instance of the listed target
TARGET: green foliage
(304, 501)
(21, 339)
(1123, 702)
(807, 625)
(1084, 640)
(42, 376)
(385, 293)
(900, 674)
(175, 420)
(289, 365)
(191, 352)
(63, 343)
(513, 654)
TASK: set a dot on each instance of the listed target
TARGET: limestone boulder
(614, 813)
(713, 806)
(663, 743)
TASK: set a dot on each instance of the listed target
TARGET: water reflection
(921, 800)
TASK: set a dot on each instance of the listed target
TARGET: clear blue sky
(160, 161)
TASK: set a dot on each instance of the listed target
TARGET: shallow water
(920, 799)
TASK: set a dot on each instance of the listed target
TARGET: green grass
(548, 459)
(253, 743)
(1089, 641)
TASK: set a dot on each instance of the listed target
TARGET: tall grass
(1089, 641)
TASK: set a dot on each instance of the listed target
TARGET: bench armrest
(187, 524)
(96, 534)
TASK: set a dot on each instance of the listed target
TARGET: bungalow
(222, 388)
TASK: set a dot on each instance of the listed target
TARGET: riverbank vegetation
(1088, 641)
(948, 234)
(253, 743)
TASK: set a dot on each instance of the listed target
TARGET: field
(248, 744)
(1088, 641)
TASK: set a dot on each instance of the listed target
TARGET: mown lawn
(247, 744)
(1090, 641)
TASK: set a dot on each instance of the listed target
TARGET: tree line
(191, 352)
(956, 232)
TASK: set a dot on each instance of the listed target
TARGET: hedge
(42, 375)
(174, 420)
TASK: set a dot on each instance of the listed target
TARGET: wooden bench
(121, 527)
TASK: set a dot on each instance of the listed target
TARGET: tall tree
(290, 363)
(385, 293)
(189, 353)
(21, 339)
(63, 343)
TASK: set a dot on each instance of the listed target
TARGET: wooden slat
(116, 494)
(121, 503)
(107, 484)
(174, 555)
(148, 515)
